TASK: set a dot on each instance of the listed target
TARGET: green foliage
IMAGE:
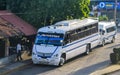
(116, 50)
(115, 56)
(103, 18)
(45, 12)
(84, 7)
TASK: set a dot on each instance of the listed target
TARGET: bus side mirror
(103, 32)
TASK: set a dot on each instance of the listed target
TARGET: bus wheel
(62, 61)
(87, 50)
(113, 40)
(103, 43)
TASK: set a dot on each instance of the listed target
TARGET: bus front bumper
(46, 61)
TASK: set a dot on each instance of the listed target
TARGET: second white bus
(57, 43)
(108, 31)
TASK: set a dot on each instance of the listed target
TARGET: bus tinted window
(82, 32)
(111, 29)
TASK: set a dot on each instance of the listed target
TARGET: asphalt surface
(115, 73)
(81, 65)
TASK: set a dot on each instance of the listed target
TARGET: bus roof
(107, 23)
(67, 25)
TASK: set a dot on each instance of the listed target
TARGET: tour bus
(107, 31)
(57, 43)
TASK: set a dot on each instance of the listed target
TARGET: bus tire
(113, 40)
(62, 61)
(103, 43)
(87, 49)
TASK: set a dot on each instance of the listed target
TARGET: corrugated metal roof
(12, 25)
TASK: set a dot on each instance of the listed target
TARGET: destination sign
(49, 35)
(54, 35)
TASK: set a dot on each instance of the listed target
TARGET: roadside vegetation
(115, 56)
(103, 18)
(45, 12)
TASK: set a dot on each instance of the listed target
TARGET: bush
(116, 50)
(103, 18)
(115, 57)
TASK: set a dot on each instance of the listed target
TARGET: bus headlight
(33, 53)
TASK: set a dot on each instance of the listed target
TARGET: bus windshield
(49, 39)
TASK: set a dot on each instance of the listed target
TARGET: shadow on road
(114, 46)
(90, 69)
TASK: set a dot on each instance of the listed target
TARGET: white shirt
(18, 47)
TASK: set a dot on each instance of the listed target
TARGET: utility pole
(115, 11)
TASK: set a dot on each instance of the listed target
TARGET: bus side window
(67, 39)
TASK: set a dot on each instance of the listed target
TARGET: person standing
(19, 48)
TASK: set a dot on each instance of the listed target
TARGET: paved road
(81, 65)
(115, 73)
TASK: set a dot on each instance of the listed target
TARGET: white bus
(64, 40)
(107, 31)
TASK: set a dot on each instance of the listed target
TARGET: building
(12, 29)
(106, 7)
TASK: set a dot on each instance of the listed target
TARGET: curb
(15, 67)
(107, 70)
(7, 60)
(111, 72)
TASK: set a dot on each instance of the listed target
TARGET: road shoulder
(107, 70)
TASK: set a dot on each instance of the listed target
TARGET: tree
(84, 7)
(45, 12)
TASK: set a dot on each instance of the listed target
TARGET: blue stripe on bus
(75, 48)
(79, 46)
(44, 56)
(94, 40)
(83, 44)
(80, 41)
(110, 36)
(54, 51)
